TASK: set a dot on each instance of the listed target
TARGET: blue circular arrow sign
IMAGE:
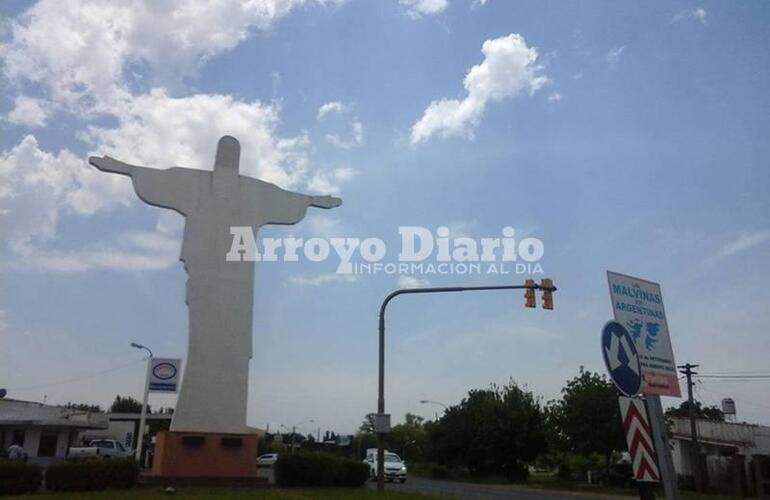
(621, 358)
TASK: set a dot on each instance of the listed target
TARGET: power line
(76, 379)
(742, 402)
(741, 377)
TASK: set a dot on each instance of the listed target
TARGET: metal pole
(381, 399)
(143, 418)
(293, 431)
(660, 437)
(381, 381)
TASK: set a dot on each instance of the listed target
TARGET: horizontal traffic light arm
(402, 291)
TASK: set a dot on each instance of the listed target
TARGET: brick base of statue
(204, 455)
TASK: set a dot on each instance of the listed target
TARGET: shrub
(115, 473)
(318, 469)
(439, 471)
(575, 467)
(517, 472)
(17, 478)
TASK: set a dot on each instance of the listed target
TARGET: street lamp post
(294, 431)
(143, 418)
(428, 401)
(381, 383)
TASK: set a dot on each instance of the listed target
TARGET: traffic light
(529, 294)
(546, 284)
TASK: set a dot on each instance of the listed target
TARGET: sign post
(143, 417)
(162, 376)
(637, 305)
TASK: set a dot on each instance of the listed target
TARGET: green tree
(493, 431)
(365, 438)
(126, 405)
(705, 412)
(83, 407)
(367, 426)
(587, 418)
(409, 438)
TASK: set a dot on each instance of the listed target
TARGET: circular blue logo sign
(621, 358)
(164, 371)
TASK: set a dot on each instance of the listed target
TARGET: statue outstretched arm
(108, 164)
(266, 203)
(324, 201)
(175, 188)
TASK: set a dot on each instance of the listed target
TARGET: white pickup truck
(100, 448)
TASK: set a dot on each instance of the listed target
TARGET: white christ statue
(220, 293)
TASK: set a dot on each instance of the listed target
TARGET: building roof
(751, 439)
(29, 413)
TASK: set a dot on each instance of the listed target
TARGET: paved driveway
(488, 491)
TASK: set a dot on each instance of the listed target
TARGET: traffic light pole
(549, 288)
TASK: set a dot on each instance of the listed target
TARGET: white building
(737, 456)
(45, 432)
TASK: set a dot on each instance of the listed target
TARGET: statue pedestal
(205, 455)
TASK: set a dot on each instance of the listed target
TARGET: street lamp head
(424, 401)
(140, 346)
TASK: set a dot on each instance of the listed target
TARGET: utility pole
(687, 370)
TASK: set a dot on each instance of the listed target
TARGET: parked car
(100, 448)
(395, 468)
(267, 460)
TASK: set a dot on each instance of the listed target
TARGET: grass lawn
(228, 494)
(542, 481)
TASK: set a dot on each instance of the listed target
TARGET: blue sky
(625, 136)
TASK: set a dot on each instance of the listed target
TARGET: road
(453, 489)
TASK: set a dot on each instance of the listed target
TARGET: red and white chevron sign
(639, 439)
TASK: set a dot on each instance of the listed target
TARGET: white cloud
(83, 50)
(330, 107)
(509, 68)
(29, 112)
(323, 226)
(615, 53)
(357, 138)
(554, 97)
(742, 243)
(321, 279)
(335, 139)
(412, 282)
(419, 8)
(37, 188)
(132, 251)
(160, 131)
(698, 14)
(330, 182)
(83, 55)
(358, 131)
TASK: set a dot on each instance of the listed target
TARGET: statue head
(228, 154)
